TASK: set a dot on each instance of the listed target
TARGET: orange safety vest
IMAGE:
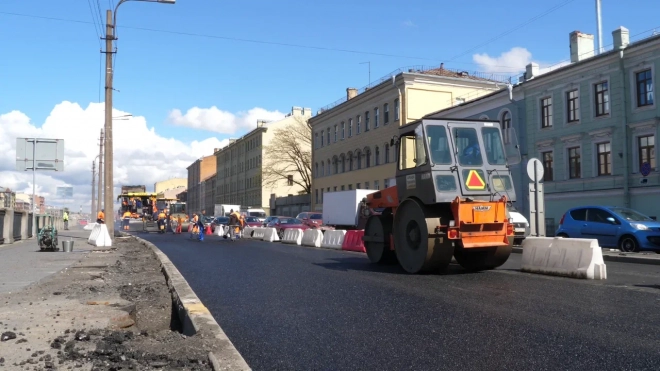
(100, 215)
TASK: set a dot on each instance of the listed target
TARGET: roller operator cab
(453, 186)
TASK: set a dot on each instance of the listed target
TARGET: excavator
(453, 188)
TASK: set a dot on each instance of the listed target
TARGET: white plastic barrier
(270, 235)
(100, 236)
(572, 257)
(221, 230)
(247, 232)
(333, 239)
(89, 226)
(258, 233)
(293, 236)
(312, 237)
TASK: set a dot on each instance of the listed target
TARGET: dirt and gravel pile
(111, 311)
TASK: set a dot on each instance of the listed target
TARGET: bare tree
(289, 155)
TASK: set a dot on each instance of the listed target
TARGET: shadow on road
(363, 264)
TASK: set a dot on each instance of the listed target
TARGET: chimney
(351, 93)
(307, 111)
(531, 71)
(296, 111)
(582, 46)
(621, 38)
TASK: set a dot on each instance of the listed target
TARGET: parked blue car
(615, 227)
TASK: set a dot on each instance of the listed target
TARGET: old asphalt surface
(290, 307)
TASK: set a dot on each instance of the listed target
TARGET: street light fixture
(110, 36)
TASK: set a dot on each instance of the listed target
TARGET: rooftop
(441, 71)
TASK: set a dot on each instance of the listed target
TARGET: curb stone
(194, 316)
(616, 258)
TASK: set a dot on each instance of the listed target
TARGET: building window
(574, 163)
(604, 158)
(343, 164)
(358, 186)
(335, 133)
(572, 106)
(328, 168)
(376, 185)
(548, 166)
(316, 140)
(316, 169)
(336, 163)
(334, 189)
(376, 114)
(342, 188)
(343, 130)
(602, 99)
(377, 156)
(350, 128)
(546, 112)
(350, 187)
(359, 161)
(367, 155)
(366, 121)
(386, 113)
(328, 136)
(396, 109)
(359, 123)
(366, 185)
(386, 183)
(644, 88)
(646, 148)
(350, 162)
(387, 153)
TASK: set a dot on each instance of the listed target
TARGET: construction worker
(162, 219)
(127, 219)
(234, 223)
(65, 217)
(100, 217)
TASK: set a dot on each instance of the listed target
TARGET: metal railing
(422, 69)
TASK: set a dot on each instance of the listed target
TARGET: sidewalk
(22, 263)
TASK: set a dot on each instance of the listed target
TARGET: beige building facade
(170, 184)
(239, 179)
(198, 172)
(351, 138)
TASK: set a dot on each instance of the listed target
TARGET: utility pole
(93, 185)
(108, 171)
(99, 200)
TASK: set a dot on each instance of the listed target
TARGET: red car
(283, 223)
(311, 219)
(252, 221)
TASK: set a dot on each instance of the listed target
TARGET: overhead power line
(218, 37)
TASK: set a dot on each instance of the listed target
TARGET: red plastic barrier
(190, 227)
(353, 241)
(208, 230)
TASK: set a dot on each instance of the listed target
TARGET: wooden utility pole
(108, 171)
(99, 200)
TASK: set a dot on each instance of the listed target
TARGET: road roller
(453, 188)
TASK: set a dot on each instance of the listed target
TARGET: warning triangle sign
(474, 181)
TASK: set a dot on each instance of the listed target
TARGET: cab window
(411, 150)
(493, 145)
(438, 144)
(467, 147)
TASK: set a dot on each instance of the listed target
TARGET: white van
(520, 225)
(257, 213)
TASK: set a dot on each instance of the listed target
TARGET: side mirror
(611, 220)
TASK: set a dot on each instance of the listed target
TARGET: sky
(196, 73)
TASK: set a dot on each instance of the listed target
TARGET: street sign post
(535, 172)
(38, 154)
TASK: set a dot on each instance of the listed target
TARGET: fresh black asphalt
(296, 308)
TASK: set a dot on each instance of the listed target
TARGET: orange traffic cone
(208, 230)
(190, 227)
(178, 229)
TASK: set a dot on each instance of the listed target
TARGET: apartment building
(351, 137)
(592, 123)
(240, 176)
(198, 172)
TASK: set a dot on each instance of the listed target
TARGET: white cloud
(215, 120)
(141, 155)
(409, 23)
(512, 61)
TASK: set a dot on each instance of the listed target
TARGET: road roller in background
(453, 185)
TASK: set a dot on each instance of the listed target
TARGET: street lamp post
(110, 36)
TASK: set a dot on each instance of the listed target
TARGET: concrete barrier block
(570, 257)
(312, 238)
(258, 233)
(293, 236)
(100, 236)
(333, 239)
(270, 235)
(247, 232)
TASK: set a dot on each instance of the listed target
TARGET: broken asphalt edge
(615, 258)
(194, 316)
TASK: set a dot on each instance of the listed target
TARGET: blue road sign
(645, 169)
